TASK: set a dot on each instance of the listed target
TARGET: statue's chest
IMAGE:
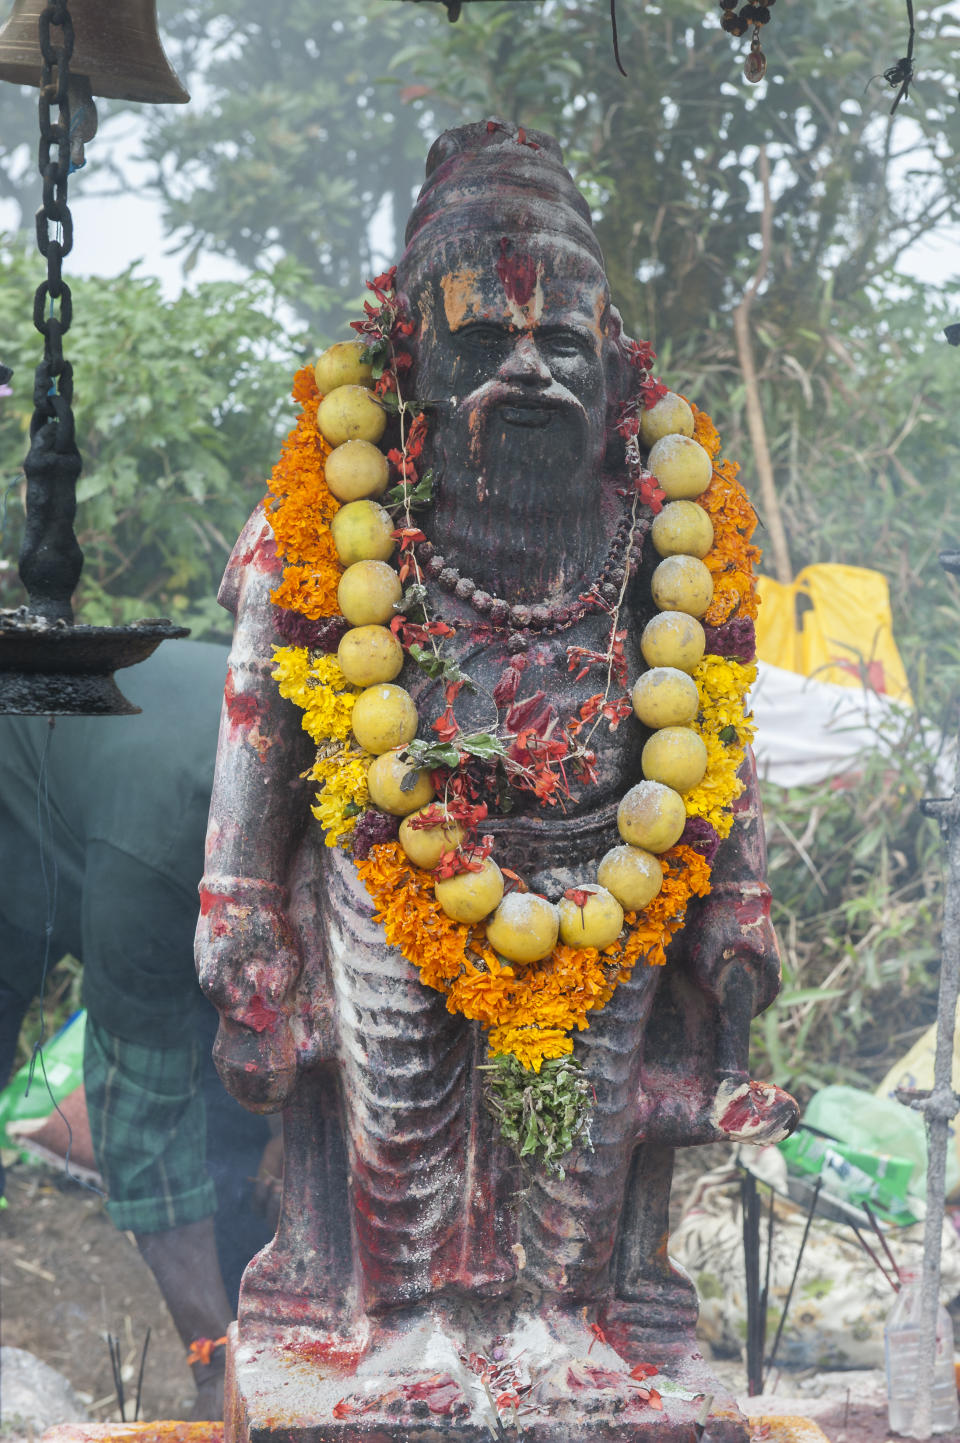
(556, 687)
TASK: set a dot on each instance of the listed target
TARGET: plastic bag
(63, 1064)
(833, 622)
(871, 1123)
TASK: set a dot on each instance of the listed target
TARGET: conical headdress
(493, 179)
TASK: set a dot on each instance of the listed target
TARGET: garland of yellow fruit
(529, 1011)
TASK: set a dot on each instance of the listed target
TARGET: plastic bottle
(901, 1338)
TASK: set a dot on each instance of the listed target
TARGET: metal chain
(53, 384)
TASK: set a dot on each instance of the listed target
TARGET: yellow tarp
(834, 623)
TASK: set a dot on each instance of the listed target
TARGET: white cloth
(810, 730)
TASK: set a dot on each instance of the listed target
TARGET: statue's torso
(485, 657)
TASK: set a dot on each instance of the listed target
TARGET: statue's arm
(247, 953)
(732, 946)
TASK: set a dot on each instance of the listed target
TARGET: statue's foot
(754, 1112)
(658, 1328)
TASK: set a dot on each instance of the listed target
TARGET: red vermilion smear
(336, 1351)
(439, 1393)
(259, 1016)
(209, 900)
(518, 274)
(242, 709)
(744, 1110)
(751, 910)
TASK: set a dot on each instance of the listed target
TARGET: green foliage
(298, 144)
(541, 1115)
(179, 405)
(856, 873)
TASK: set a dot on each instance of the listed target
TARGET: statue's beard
(518, 494)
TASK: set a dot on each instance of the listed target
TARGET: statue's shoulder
(255, 554)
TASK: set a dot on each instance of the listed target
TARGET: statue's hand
(733, 944)
(248, 962)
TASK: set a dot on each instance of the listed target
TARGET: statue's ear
(620, 374)
(617, 362)
(620, 382)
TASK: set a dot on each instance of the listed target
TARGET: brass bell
(116, 47)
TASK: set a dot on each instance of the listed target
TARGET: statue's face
(511, 355)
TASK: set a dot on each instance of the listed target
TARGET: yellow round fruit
(633, 876)
(426, 845)
(341, 365)
(369, 654)
(681, 466)
(595, 924)
(679, 583)
(385, 785)
(664, 697)
(524, 927)
(673, 639)
(362, 531)
(384, 717)
(681, 529)
(471, 896)
(350, 413)
(675, 756)
(671, 416)
(651, 816)
(368, 593)
(357, 471)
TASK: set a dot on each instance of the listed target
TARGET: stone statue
(421, 1278)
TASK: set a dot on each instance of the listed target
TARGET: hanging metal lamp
(48, 664)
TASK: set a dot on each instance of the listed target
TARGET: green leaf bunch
(541, 1115)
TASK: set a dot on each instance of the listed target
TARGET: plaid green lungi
(148, 1125)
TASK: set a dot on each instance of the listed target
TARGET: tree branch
(745, 354)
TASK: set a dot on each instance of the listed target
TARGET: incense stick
(883, 1241)
(803, 1243)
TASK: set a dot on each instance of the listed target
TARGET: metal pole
(940, 1105)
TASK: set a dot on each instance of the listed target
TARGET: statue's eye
(481, 337)
(566, 344)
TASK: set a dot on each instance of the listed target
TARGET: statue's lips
(528, 411)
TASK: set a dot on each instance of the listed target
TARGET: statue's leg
(570, 1224)
(423, 1192)
(654, 1305)
(303, 1275)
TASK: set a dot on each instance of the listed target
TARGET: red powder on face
(518, 274)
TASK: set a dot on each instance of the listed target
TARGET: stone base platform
(767, 1429)
(304, 1388)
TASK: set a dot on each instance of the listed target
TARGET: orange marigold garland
(530, 1012)
(300, 512)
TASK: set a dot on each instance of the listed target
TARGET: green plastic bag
(63, 1063)
(856, 1177)
(872, 1123)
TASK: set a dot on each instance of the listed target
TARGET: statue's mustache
(499, 395)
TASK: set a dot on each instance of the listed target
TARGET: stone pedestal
(307, 1388)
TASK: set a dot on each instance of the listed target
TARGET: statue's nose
(525, 365)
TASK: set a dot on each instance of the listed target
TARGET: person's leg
(235, 1143)
(13, 1009)
(148, 1127)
